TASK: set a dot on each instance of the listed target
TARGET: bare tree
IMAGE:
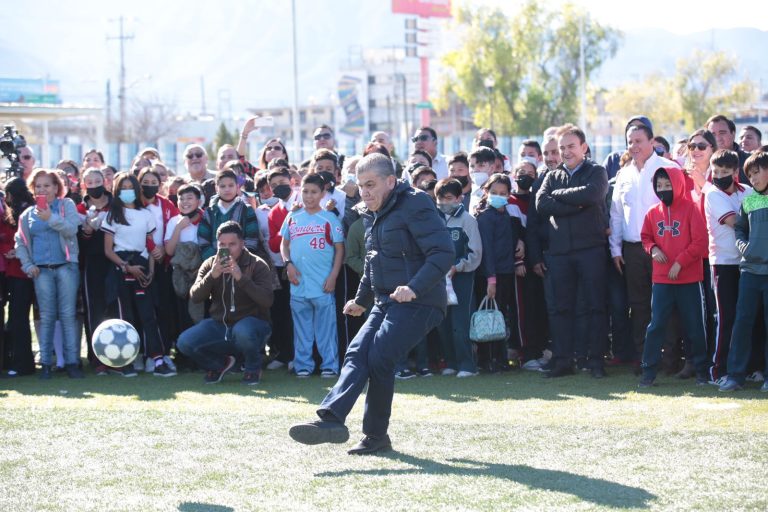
(151, 120)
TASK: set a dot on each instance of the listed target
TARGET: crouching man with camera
(239, 286)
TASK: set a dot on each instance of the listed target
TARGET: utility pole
(295, 110)
(121, 96)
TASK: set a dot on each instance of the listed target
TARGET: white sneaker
(275, 365)
(755, 377)
(719, 382)
(532, 365)
(149, 365)
(168, 361)
(138, 364)
(290, 365)
(463, 375)
(448, 372)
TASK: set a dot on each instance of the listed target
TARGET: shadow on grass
(594, 490)
(188, 506)
(279, 385)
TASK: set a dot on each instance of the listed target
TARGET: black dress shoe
(319, 432)
(559, 371)
(598, 372)
(369, 445)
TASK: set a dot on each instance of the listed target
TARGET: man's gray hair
(378, 163)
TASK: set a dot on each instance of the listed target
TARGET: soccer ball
(115, 343)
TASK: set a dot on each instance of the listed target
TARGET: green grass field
(503, 442)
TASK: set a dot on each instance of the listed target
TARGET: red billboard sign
(423, 8)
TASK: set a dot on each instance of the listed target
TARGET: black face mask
(665, 196)
(149, 191)
(282, 192)
(524, 182)
(96, 192)
(723, 183)
(464, 180)
(190, 214)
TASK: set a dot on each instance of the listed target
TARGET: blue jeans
(391, 331)
(56, 291)
(751, 288)
(454, 329)
(210, 341)
(689, 299)
(315, 320)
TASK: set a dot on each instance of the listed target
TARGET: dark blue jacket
(407, 244)
(574, 207)
(500, 233)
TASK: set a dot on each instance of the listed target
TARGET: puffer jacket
(407, 244)
(752, 234)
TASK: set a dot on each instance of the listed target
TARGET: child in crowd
(481, 162)
(500, 234)
(674, 235)
(751, 230)
(313, 251)
(721, 206)
(454, 330)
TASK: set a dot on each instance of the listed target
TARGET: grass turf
(499, 442)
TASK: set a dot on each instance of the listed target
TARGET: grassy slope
(513, 441)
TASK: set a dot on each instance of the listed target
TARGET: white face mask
(272, 201)
(479, 178)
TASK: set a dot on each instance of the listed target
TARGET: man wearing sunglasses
(27, 158)
(196, 163)
(425, 139)
(633, 195)
(325, 139)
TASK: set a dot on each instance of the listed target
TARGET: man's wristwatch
(285, 264)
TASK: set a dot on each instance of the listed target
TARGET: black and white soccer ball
(115, 343)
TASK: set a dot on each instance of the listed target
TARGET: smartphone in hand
(223, 254)
(41, 202)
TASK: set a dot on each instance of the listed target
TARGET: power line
(121, 96)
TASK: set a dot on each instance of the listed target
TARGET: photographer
(239, 286)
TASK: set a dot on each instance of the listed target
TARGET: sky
(242, 49)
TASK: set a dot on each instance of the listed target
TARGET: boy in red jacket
(675, 236)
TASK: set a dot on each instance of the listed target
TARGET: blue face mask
(128, 196)
(497, 201)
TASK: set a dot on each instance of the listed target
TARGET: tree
(702, 86)
(533, 59)
(705, 86)
(151, 120)
(223, 136)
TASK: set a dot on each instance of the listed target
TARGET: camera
(10, 143)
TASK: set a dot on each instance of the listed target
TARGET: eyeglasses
(26, 157)
(324, 136)
(196, 154)
(423, 138)
(701, 146)
(280, 148)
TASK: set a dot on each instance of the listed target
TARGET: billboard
(27, 90)
(353, 101)
(423, 8)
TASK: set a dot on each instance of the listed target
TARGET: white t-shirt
(718, 206)
(157, 212)
(188, 234)
(132, 237)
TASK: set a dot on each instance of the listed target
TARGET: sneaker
(730, 385)
(163, 370)
(755, 377)
(547, 367)
(582, 365)
(167, 360)
(719, 382)
(702, 380)
(646, 382)
(149, 365)
(464, 374)
(101, 370)
(74, 371)
(764, 387)
(215, 376)
(251, 378)
(290, 366)
(303, 374)
(46, 372)
(125, 371)
(533, 365)
(447, 372)
(328, 374)
(138, 363)
(12, 373)
(404, 375)
(275, 365)
(425, 372)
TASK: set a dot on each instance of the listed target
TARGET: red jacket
(169, 210)
(276, 216)
(679, 231)
(12, 265)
